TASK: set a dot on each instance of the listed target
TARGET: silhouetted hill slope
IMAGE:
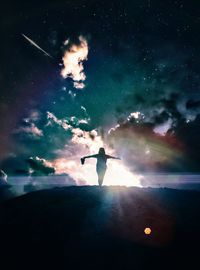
(5, 192)
(93, 228)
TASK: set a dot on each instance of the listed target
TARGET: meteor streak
(38, 47)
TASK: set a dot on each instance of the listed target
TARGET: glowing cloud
(73, 59)
(3, 177)
(53, 118)
(135, 115)
(31, 130)
(69, 123)
(163, 128)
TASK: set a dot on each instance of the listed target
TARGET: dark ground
(93, 228)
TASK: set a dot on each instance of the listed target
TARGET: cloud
(69, 123)
(28, 126)
(52, 118)
(40, 166)
(143, 149)
(164, 127)
(74, 55)
(188, 133)
(79, 85)
(3, 178)
(193, 104)
(30, 129)
(136, 115)
(34, 116)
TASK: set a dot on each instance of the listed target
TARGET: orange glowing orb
(147, 231)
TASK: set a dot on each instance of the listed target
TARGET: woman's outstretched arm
(108, 156)
(83, 158)
(91, 156)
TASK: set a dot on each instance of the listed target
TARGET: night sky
(137, 90)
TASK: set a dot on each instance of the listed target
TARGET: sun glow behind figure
(84, 143)
(116, 174)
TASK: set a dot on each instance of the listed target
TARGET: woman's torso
(101, 161)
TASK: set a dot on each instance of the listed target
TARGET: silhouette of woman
(101, 163)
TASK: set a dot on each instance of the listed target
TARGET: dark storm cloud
(15, 165)
(187, 133)
(40, 166)
(146, 151)
(161, 118)
(143, 149)
(193, 104)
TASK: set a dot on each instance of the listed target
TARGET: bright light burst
(116, 174)
(87, 143)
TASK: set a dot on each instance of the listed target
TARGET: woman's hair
(102, 151)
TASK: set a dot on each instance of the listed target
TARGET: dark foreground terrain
(93, 228)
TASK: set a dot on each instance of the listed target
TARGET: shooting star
(38, 47)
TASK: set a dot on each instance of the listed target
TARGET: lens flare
(147, 231)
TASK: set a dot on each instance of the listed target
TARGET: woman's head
(102, 151)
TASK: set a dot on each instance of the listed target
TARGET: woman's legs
(101, 173)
